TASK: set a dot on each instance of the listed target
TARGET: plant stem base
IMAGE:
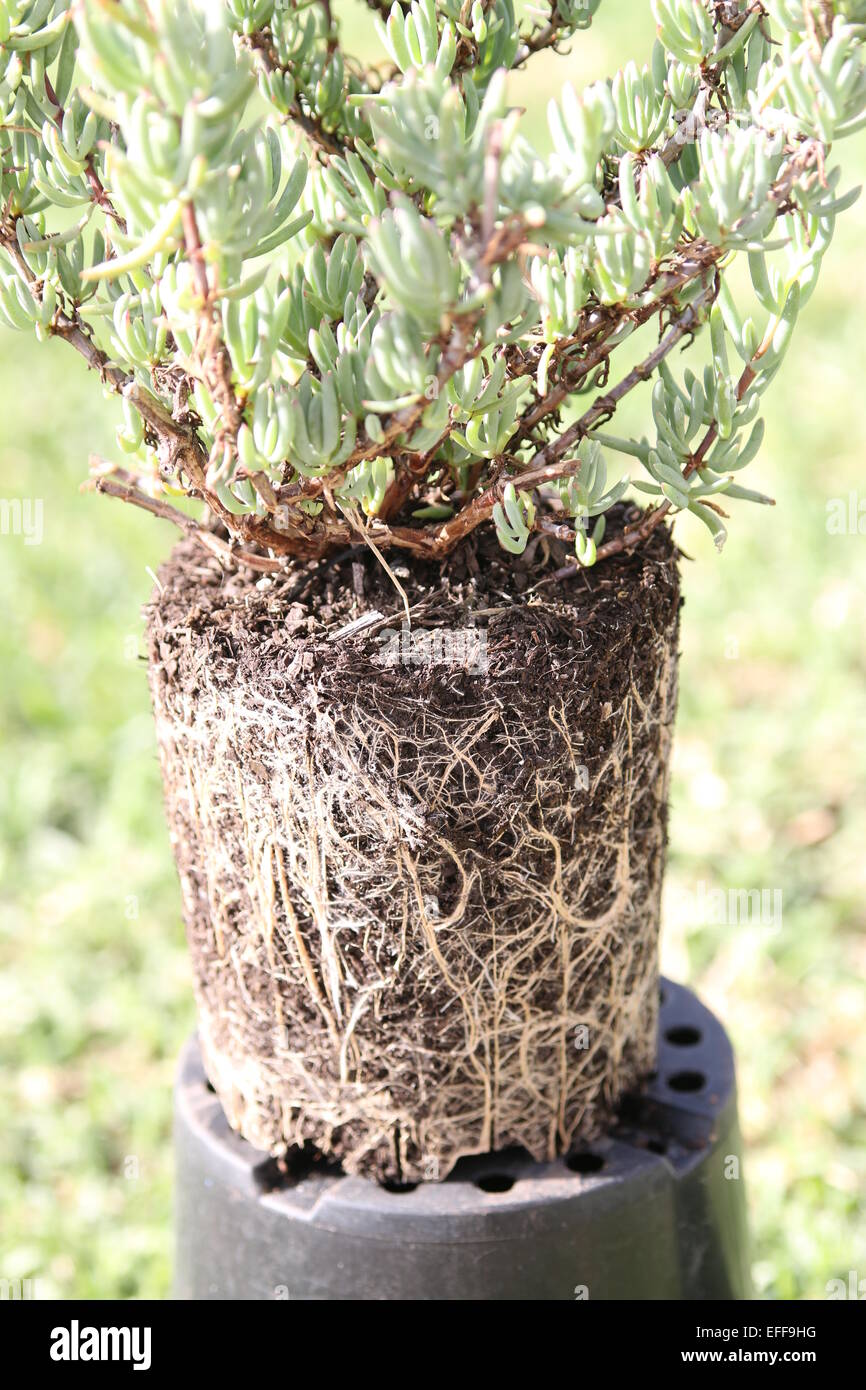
(655, 1210)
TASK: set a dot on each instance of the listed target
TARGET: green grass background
(768, 792)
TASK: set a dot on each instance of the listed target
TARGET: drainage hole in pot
(683, 1036)
(657, 1146)
(210, 1087)
(273, 1174)
(584, 1163)
(495, 1182)
(392, 1185)
(663, 998)
(687, 1081)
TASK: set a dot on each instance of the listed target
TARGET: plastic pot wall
(654, 1211)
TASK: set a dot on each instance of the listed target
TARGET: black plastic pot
(654, 1211)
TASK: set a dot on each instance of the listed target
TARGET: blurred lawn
(768, 793)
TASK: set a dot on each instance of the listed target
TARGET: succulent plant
(341, 303)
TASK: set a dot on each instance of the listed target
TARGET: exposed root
(422, 903)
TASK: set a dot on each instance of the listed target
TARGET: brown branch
(540, 465)
(327, 143)
(409, 475)
(127, 492)
(97, 187)
(702, 255)
(212, 353)
(69, 327)
(460, 347)
(178, 446)
(548, 464)
(604, 324)
(546, 36)
(633, 536)
(195, 252)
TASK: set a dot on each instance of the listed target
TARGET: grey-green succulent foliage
(340, 302)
